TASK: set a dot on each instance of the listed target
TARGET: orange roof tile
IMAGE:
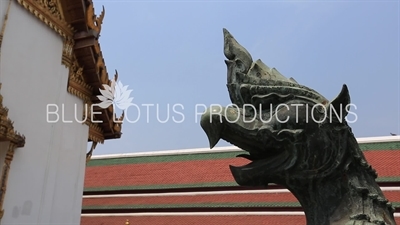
(201, 173)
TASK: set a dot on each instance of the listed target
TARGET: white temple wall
(45, 182)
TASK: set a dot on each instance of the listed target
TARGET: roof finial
(127, 222)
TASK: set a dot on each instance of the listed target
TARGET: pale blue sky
(172, 53)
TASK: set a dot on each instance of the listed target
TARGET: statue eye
(240, 66)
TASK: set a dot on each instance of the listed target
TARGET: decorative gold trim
(48, 14)
(97, 47)
(4, 175)
(96, 133)
(101, 69)
(51, 13)
(90, 153)
(76, 83)
(68, 52)
(7, 133)
(118, 122)
(52, 7)
(94, 22)
(3, 28)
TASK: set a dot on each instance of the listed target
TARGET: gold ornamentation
(7, 133)
(90, 153)
(68, 51)
(95, 133)
(118, 122)
(4, 23)
(94, 22)
(115, 77)
(76, 84)
(101, 69)
(51, 6)
(4, 175)
(51, 13)
(97, 47)
(47, 16)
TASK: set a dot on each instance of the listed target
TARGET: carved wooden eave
(50, 13)
(16, 140)
(7, 132)
(88, 52)
(75, 21)
(76, 83)
(89, 55)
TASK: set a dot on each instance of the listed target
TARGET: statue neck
(354, 196)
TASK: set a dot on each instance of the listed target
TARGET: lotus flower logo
(117, 94)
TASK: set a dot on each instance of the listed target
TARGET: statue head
(285, 127)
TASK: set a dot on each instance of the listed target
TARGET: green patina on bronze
(304, 146)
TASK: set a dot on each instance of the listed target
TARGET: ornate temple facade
(51, 69)
(196, 187)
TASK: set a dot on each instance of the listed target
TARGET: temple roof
(143, 185)
(199, 168)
